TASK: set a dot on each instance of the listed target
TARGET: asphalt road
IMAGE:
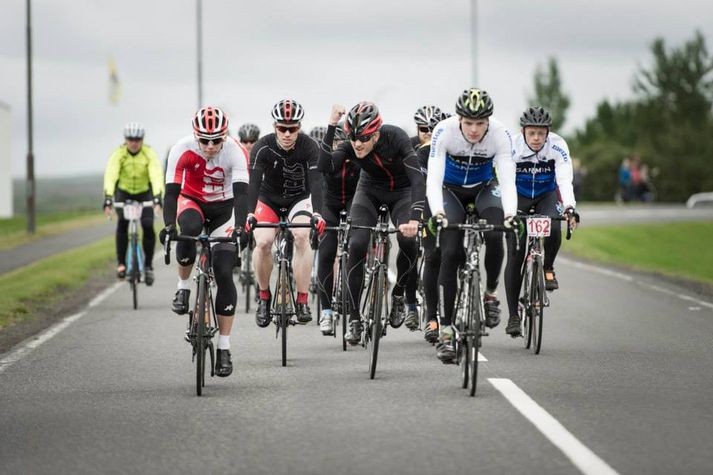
(623, 383)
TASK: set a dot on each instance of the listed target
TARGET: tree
(549, 94)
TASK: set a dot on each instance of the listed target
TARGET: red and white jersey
(207, 179)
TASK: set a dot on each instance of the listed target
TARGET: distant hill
(61, 194)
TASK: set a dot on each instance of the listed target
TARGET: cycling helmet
(474, 103)
(339, 134)
(424, 113)
(318, 133)
(436, 118)
(536, 117)
(287, 111)
(210, 123)
(134, 130)
(249, 133)
(363, 119)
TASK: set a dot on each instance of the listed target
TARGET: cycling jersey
(203, 179)
(415, 141)
(540, 172)
(284, 175)
(339, 182)
(455, 161)
(423, 152)
(133, 173)
(391, 166)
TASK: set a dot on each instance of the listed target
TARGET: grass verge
(673, 249)
(12, 230)
(23, 292)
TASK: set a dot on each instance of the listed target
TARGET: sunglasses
(361, 138)
(248, 142)
(217, 141)
(134, 139)
(424, 129)
(284, 129)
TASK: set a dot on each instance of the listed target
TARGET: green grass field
(25, 290)
(12, 230)
(675, 249)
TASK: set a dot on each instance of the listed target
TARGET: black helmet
(339, 134)
(318, 133)
(363, 119)
(474, 103)
(249, 133)
(424, 114)
(436, 118)
(287, 111)
(536, 117)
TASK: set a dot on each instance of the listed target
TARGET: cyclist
(339, 187)
(317, 133)
(206, 186)
(134, 173)
(390, 175)
(248, 134)
(544, 183)
(283, 170)
(422, 117)
(464, 149)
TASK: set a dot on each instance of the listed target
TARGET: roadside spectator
(624, 193)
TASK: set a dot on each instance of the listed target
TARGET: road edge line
(579, 454)
(26, 347)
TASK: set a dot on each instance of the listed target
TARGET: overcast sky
(399, 53)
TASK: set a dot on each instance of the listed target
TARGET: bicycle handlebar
(377, 229)
(144, 204)
(281, 225)
(202, 238)
(554, 218)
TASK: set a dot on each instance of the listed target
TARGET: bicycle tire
(376, 323)
(527, 306)
(538, 309)
(345, 300)
(200, 335)
(476, 317)
(284, 318)
(135, 271)
(459, 343)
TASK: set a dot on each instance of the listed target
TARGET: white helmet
(134, 130)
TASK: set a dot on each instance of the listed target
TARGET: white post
(5, 168)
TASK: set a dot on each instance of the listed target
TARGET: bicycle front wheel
(200, 347)
(135, 270)
(526, 306)
(537, 307)
(283, 292)
(376, 320)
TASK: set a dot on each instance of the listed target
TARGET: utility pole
(30, 192)
(474, 43)
(199, 47)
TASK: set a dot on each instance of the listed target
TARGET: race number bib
(539, 227)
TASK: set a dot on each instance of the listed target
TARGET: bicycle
(341, 303)
(314, 278)
(375, 306)
(469, 311)
(134, 253)
(283, 303)
(202, 320)
(534, 299)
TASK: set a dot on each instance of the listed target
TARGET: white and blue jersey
(454, 161)
(545, 171)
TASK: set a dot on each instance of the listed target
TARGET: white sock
(223, 342)
(184, 284)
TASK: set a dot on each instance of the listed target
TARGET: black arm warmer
(315, 187)
(324, 163)
(170, 203)
(240, 203)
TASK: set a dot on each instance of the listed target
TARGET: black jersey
(288, 175)
(340, 182)
(422, 153)
(415, 142)
(392, 165)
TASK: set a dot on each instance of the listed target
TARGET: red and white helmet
(287, 111)
(363, 119)
(210, 123)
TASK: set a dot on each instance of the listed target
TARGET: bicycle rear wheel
(375, 320)
(200, 335)
(538, 305)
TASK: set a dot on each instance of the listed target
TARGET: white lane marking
(629, 278)
(23, 349)
(581, 456)
(481, 357)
